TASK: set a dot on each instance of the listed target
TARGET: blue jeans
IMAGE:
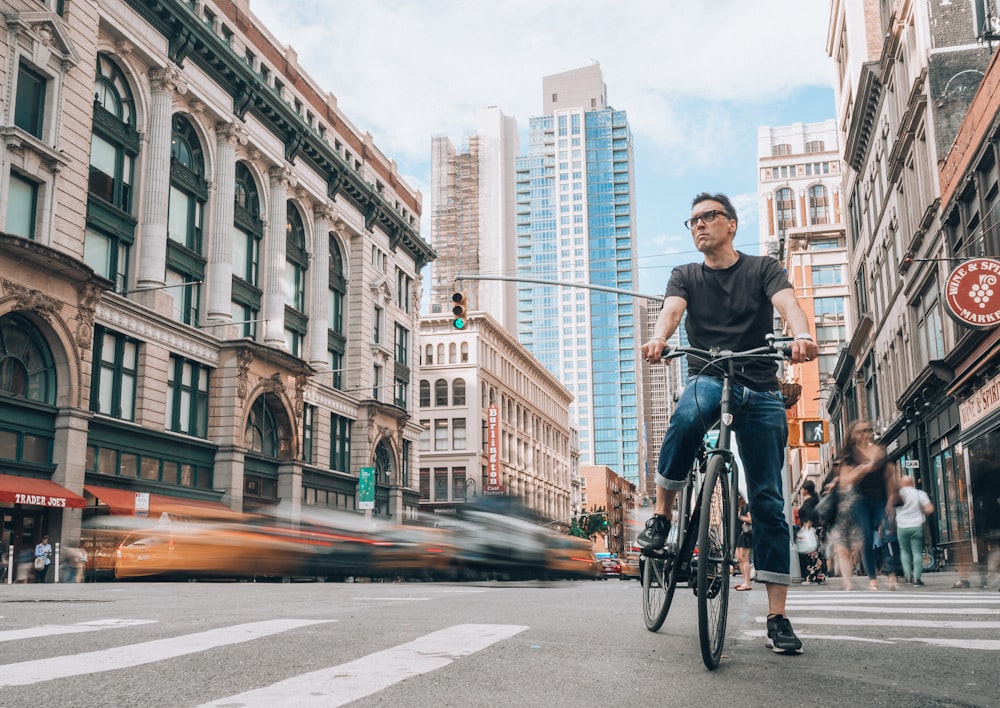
(761, 430)
(868, 514)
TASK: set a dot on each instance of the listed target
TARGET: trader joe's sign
(972, 294)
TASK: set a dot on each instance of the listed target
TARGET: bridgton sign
(972, 294)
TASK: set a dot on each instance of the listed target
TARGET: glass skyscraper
(575, 218)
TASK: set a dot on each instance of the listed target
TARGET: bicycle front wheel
(714, 561)
(658, 583)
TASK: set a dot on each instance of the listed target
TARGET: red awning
(37, 492)
(122, 502)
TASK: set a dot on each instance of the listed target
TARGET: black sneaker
(781, 637)
(918, 582)
(653, 538)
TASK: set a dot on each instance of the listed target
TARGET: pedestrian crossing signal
(814, 432)
(458, 310)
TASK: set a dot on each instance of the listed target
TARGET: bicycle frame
(720, 479)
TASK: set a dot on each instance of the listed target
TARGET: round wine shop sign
(972, 292)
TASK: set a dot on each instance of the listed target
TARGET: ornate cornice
(189, 38)
(143, 327)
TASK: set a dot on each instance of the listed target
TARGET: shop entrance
(20, 531)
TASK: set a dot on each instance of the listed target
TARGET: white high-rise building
(472, 218)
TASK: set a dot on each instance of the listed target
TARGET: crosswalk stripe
(882, 609)
(29, 672)
(338, 685)
(954, 643)
(49, 630)
(891, 622)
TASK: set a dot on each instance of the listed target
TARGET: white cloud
(406, 70)
(694, 76)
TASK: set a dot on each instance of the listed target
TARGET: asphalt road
(484, 644)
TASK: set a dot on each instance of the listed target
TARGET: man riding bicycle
(730, 300)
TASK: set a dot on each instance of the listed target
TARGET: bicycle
(711, 523)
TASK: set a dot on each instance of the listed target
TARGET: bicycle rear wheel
(714, 561)
(658, 583)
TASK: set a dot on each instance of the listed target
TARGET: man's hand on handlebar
(654, 349)
(804, 350)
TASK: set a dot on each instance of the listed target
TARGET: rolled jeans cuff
(766, 576)
(671, 485)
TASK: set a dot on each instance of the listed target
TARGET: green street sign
(366, 488)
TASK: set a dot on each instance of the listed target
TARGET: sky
(696, 78)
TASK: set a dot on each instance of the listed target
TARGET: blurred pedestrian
(43, 558)
(75, 565)
(865, 470)
(984, 489)
(811, 563)
(910, 515)
(744, 542)
(887, 548)
(844, 537)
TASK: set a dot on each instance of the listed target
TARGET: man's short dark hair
(809, 486)
(721, 199)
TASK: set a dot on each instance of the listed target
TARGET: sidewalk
(934, 581)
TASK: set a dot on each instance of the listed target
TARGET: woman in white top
(910, 528)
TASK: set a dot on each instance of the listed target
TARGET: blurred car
(630, 567)
(571, 558)
(195, 549)
(610, 568)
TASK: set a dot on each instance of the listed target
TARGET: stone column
(156, 186)
(281, 179)
(320, 281)
(220, 256)
(71, 429)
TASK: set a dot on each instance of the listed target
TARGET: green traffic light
(459, 323)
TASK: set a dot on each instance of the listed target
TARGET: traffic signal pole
(560, 283)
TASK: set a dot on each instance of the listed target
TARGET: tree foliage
(590, 523)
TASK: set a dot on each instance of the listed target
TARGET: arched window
(440, 353)
(440, 392)
(452, 353)
(336, 297)
(261, 433)
(247, 235)
(338, 287)
(26, 366)
(114, 145)
(296, 262)
(784, 202)
(425, 393)
(185, 208)
(819, 205)
(383, 463)
(458, 392)
(429, 355)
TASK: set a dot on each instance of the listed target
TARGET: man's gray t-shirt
(731, 309)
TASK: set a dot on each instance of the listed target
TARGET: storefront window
(984, 473)
(952, 495)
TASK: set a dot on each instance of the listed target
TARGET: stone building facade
(906, 72)
(209, 278)
(495, 422)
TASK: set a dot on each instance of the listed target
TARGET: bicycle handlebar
(777, 348)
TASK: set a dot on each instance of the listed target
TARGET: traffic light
(814, 432)
(458, 309)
